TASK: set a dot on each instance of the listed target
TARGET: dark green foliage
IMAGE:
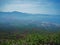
(32, 38)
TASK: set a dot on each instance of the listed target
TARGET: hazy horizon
(31, 6)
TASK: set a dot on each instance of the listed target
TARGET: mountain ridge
(16, 12)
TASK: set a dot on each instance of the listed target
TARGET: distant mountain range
(16, 12)
(18, 20)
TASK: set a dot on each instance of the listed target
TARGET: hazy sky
(31, 6)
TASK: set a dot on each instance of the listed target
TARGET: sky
(31, 6)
